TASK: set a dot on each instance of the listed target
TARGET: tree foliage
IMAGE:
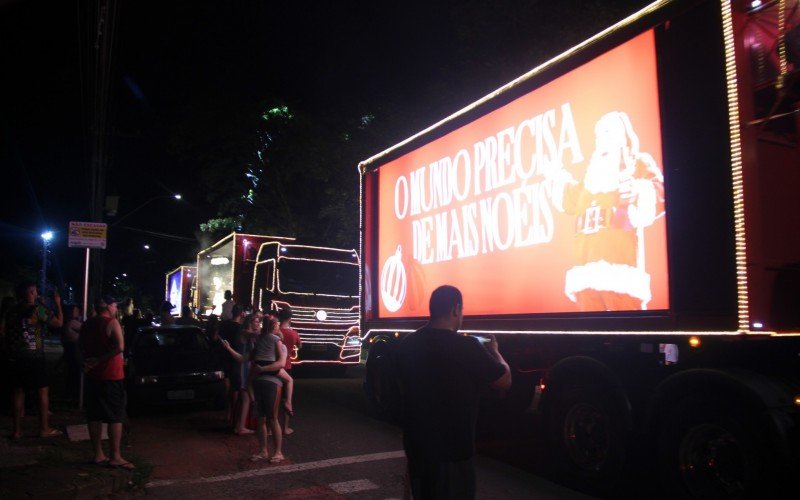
(281, 163)
(280, 170)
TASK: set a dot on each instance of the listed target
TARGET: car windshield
(307, 276)
(184, 340)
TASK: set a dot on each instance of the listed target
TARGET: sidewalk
(34, 467)
(58, 467)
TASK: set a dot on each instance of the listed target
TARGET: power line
(165, 236)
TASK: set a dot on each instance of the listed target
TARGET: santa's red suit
(611, 211)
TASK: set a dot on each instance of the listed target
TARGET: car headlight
(149, 379)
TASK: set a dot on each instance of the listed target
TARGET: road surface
(337, 451)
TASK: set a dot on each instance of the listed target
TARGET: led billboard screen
(553, 203)
(175, 290)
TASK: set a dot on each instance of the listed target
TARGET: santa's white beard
(603, 173)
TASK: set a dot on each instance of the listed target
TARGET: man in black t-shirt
(442, 374)
(229, 330)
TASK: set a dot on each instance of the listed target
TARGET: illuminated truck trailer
(624, 219)
(228, 265)
(320, 285)
(180, 288)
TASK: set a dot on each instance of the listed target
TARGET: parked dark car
(173, 364)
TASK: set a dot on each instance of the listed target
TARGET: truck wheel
(707, 452)
(588, 438)
(380, 384)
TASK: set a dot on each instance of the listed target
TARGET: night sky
(179, 62)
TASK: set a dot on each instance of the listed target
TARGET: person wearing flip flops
(265, 352)
(23, 331)
(103, 343)
(239, 349)
(291, 339)
(267, 362)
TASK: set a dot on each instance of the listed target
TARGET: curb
(64, 481)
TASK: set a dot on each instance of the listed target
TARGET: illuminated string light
(736, 167)
(350, 257)
(236, 239)
(782, 62)
(397, 332)
(201, 255)
(648, 9)
(361, 246)
(187, 270)
(334, 330)
(366, 166)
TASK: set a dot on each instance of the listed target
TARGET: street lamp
(46, 237)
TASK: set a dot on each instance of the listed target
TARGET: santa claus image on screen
(620, 195)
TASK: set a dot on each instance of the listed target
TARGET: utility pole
(101, 17)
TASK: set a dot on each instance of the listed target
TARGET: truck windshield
(305, 276)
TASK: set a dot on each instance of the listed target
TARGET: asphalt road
(337, 451)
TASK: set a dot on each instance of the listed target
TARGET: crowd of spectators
(254, 347)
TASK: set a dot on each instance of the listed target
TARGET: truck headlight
(321, 315)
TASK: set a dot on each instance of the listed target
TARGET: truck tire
(380, 384)
(708, 451)
(588, 439)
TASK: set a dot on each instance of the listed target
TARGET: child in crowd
(264, 353)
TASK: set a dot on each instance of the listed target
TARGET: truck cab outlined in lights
(320, 285)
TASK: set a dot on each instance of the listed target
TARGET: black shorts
(105, 401)
(235, 378)
(28, 373)
(266, 395)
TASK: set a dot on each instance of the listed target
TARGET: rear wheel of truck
(712, 452)
(380, 384)
(588, 439)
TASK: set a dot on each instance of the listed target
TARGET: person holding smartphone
(442, 374)
(24, 327)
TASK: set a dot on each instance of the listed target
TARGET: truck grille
(332, 329)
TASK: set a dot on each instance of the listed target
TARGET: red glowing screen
(552, 203)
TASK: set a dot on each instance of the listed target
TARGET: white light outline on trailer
(170, 273)
(362, 166)
(648, 9)
(202, 253)
(740, 237)
(646, 333)
(743, 301)
(280, 247)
